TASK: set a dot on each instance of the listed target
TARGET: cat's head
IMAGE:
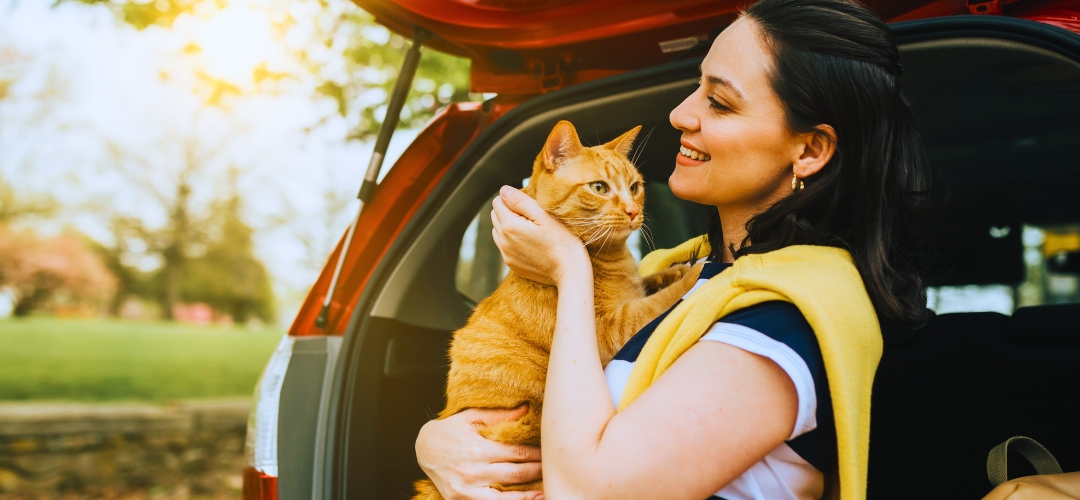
(596, 191)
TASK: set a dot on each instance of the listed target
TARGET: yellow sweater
(826, 287)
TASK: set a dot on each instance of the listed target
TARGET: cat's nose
(632, 212)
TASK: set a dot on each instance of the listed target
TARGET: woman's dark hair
(835, 62)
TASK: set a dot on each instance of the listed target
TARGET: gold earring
(796, 183)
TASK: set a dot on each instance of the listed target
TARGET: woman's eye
(714, 104)
(599, 187)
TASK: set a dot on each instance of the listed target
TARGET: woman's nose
(682, 117)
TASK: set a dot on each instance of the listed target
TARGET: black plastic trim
(1033, 33)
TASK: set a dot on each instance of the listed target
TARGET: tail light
(259, 486)
(261, 443)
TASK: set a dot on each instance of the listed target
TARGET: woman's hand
(532, 242)
(463, 464)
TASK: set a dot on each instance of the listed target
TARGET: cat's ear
(561, 144)
(623, 143)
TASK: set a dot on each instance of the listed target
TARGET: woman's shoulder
(774, 318)
(780, 321)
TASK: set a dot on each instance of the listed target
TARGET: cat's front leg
(646, 308)
(616, 328)
(662, 279)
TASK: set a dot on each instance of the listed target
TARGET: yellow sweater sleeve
(827, 288)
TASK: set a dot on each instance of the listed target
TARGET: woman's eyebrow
(723, 82)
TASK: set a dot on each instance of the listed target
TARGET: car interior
(998, 118)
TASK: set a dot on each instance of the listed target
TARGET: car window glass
(1051, 257)
(480, 267)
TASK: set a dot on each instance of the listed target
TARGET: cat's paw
(662, 279)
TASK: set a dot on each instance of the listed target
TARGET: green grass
(111, 360)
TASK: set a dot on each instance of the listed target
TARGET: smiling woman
(755, 385)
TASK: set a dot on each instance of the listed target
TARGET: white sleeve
(755, 342)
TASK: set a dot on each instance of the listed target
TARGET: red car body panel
(1063, 14)
(560, 43)
(532, 46)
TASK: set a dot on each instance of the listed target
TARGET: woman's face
(740, 149)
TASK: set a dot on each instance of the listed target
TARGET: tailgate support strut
(386, 130)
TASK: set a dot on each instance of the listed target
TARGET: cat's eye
(634, 188)
(599, 187)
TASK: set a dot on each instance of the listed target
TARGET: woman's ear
(816, 148)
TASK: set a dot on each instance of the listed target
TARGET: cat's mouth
(693, 154)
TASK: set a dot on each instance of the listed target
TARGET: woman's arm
(705, 421)
(464, 465)
(716, 412)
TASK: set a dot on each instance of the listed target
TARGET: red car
(996, 85)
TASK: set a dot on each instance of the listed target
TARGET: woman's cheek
(689, 184)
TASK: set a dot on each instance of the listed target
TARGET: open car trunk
(997, 99)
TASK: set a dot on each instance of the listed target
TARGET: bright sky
(87, 81)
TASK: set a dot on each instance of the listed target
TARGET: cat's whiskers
(646, 233)
(641, 147)
(592, 238)
(597, 227)
(607, 236)
(593, 235)
(604, 232)
(603, 236)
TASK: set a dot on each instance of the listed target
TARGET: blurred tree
(142, 14)
(353, 59)
(171, 189)
(372, 57)
(228, 276)
(333, 52)
(131, 282)
(21, 205)
(205, 249)
(47, 271)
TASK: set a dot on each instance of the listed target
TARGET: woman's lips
(691, 157)
(693, 154)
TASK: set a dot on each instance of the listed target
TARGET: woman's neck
(732, 230)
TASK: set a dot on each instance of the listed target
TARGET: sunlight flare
(234, 42)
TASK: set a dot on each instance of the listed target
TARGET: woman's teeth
(694, 155)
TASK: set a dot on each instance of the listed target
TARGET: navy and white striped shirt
(779, 332)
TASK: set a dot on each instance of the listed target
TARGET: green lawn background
(118, 360)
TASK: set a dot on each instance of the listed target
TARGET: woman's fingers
(487, 416)
(496, 452)
(516, 453)
(535, 245)
(511, 473)
(494, 494)
(500, 452)
(502, 216)
(518, 495)
(463, 464)
(521, 203)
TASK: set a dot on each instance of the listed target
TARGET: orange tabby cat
(499, 358)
